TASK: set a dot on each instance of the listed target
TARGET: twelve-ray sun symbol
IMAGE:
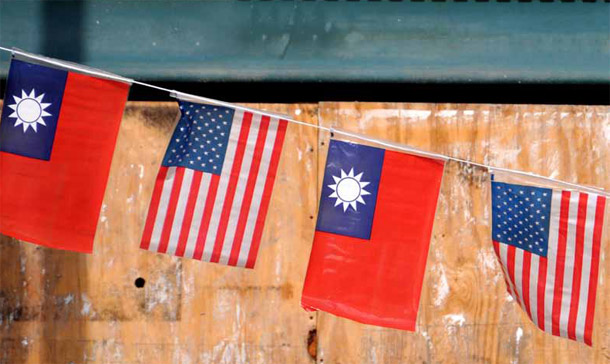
(348, 190)
(29, 110)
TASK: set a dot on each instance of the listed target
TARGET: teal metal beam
(440, 42)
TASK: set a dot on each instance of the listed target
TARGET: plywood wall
(60, 307)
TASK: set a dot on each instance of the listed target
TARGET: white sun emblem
(29, 110)
(348, 189)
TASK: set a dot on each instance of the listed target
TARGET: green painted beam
(440, 42)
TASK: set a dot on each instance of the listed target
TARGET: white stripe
(257, 195)
(191, 242)
(162, 210)
(223, 184)
(240, 189)
(533, 299)
(551, 261)
(519, 276)
(587, 258)
(568, 271)
(185, 189)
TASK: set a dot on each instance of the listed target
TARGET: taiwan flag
(371, 242)
(57, 136)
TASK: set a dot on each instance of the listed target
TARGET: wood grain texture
(60, 307)
(466, 315)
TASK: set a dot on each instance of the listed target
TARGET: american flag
(548, 243)
(214, 185)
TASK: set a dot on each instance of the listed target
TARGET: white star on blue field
(200, 139)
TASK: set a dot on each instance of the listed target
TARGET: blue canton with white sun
(521, 216)
(200, 139)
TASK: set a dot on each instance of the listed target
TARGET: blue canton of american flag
(521, 216)
(214, 185)
(200, 139)
(548, 243)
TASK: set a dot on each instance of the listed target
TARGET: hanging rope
(191, 97)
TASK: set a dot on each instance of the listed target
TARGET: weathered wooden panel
(466, 315)
(62, 307)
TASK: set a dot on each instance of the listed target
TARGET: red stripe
(188, 213)
(152, 209)
(525, 279)
(578, 256)
(234, 178)
(248, 194)
(510, 261)
(207, 215)
(597, 237)
(171, 210)
(561, 258)
(262, 214)
(542, 267)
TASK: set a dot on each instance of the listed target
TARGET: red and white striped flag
(214, 186)
(548, 243)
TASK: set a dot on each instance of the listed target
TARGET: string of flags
(58, 132)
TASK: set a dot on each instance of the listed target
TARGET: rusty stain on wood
(62, 307)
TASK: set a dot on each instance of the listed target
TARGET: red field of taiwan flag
(57, 137)
(371, 242)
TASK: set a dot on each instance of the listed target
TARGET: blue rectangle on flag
(30, 113)
(521, 216)
(200, 139)
(349, 189)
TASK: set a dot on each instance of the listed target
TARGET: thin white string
(420, 152)
(387, 144)
(71, 66)
(187, 97)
